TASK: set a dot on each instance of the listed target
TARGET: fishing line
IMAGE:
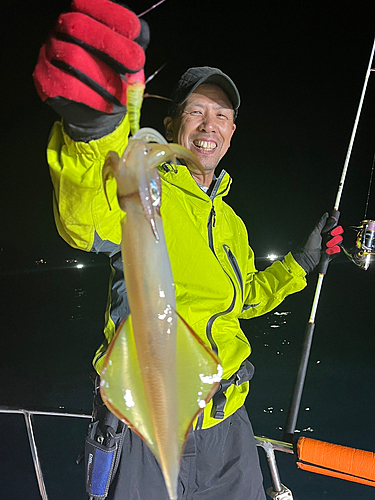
(151, 8)
(151, 77)
(369, 187)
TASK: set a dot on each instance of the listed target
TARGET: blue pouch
(102, 454)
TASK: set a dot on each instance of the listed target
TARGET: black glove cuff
(307, 263)
(81, 133)
(84, 124)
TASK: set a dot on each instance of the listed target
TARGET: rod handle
(295, 403)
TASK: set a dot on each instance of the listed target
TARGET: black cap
(194, 77)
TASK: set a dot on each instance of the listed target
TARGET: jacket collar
(179, 176)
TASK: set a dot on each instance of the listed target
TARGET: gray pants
(220, 463)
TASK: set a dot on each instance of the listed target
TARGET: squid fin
(198, 376)
(121, 384)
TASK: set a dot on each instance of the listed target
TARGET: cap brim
(222, 81)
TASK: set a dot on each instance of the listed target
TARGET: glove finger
(143, 39)
(89, 69)
(322, 222)
(113, 15)
(330, 224)
(51, 81)
(122, 54)
(337, 230)
(334, 241)
(334, 250)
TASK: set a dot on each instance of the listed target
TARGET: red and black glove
(324, 241)
(85, 65)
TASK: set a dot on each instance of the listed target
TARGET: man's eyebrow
(194, 103)
(201, 105)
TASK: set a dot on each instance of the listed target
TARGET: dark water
(46, 365)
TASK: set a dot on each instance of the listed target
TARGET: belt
(243, 374)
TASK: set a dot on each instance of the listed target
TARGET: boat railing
(278, 491)
(28, 415)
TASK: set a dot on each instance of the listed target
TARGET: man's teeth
(207, 146)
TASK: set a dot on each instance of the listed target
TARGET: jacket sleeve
(265, 290)
(82, 215)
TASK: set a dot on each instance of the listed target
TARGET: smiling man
(213, 267)
(205, 104)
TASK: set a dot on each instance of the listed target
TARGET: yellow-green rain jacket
(213, 266)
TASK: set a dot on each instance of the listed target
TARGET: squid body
(158, 375)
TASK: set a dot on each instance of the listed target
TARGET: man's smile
(204, 146)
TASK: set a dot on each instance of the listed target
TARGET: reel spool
(364, 245)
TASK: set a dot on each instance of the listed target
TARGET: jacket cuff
(293, 266)
(114, 141)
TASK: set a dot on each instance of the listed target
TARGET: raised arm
(94, 54)
(265, 290)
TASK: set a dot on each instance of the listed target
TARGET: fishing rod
(291, 420)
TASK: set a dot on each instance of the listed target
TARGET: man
(83, 72)
(205, 125)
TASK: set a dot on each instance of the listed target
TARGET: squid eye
(155, 193)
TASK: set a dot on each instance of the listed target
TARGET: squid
(158, 375)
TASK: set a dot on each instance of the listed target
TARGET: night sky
(300, 68)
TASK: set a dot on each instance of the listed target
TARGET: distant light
(271, 256)
(79, 266)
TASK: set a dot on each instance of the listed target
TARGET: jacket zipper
(210, 322)
(210, 226)
(233, 262)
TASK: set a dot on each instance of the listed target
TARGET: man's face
(205, 125)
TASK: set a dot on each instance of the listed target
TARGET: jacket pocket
(236, 268)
